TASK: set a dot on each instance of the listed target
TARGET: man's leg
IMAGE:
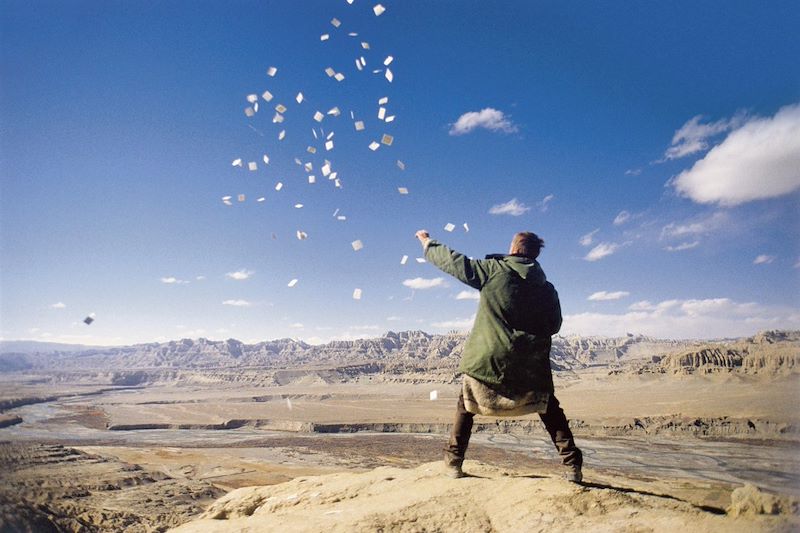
(558, 427)
(459, 436)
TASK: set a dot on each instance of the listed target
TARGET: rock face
(396, 353)
(769, 352)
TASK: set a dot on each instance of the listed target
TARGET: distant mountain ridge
(394, 350)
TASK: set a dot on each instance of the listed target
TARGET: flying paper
(402, 190)
(271, 71)
(292, 283)
(236, 162)
(449, 227)
(387, 139)
(404, 260)
(378, 10)
(356, 294)
(374, 146)
(357, 245)
(252, 165)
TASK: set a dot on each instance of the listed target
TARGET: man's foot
(574, 474)
(454, 471)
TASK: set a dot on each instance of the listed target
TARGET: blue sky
(653, 146)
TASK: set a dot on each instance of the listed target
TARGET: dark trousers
(554, 421)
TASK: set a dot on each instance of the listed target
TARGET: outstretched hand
(423, 235)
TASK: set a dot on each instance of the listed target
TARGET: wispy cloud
(457, 323)
(694, 135)
(604, 249)
(511, 207)
(695, 227)
(605, 295)
(760, 159)
(544, 204)
(237, 303)
(690, 318)
(58, 305)
(240, 275)
(172, 280)
(622, 218)
(200, 278)
(764, 259)
(633, 171)
(588, 239)
(424, 283)
(683, 246)
(468, 295)
(488, 118)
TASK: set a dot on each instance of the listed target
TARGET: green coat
(509, 346)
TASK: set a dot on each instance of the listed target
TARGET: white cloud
(588, 239)
(633, 171)
(604, 249)
(698, 319)
(58, 305)
(695, 228)
(693, 136)
(511, 207)
(764, 259)
(683, 246)
(488, 118)
(423, 283)
(760, 159)
(544, 204)
(368, 327)
(605, 295)
(622, 218)
(172, 280)
(457, 324)
(200, 278)
(394, 318)
(240, 275)
(468, 295)
(237, 303)
(296, 325)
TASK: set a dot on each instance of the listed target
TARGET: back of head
(526, 244)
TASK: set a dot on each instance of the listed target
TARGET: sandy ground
(490, 499)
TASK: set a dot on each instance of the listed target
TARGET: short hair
(527, 244)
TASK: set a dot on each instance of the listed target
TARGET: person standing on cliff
(506, 360)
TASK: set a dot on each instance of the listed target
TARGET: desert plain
(220, 436)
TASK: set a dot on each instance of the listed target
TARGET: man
(506, 360)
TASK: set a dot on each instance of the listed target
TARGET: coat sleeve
(555, 318)
(473, 272)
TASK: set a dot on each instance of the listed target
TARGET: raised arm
(470, 271)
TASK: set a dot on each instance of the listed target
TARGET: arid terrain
(699, 435)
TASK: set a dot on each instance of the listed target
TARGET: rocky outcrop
(769, 352)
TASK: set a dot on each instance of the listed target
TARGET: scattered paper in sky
(281, 135)
(404, 260)
(338, 76)
(329, 145)
(383, 101)
(318, 116)
(249, 111)
(359, 125)
(334, 111)
(389, 75)
(292, 283)
(381, 113)
(357, 245)
(89, 319)
(312, 179)
(390, 119)
(241, 197)
(402, 190)
(330, 72)
(280, 108)
(388, 61)
(252, 165)
(387, 139)
(466, 227)
(378, 10)
(365, 45)
(324, 37)
(236, 162)
(226, 200)
(271, 71)
(298, 206)
(341, 217)
(299, 98)
(421, 260)
(311, 150)
(302, 235)
(252, 98)
(374, 146)
(401, 165)
(336, 22)
(449, 227)
(266, 159)
(356, 294)
(261, 199)
(266, 95)
(279, 186)
(277, 119)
